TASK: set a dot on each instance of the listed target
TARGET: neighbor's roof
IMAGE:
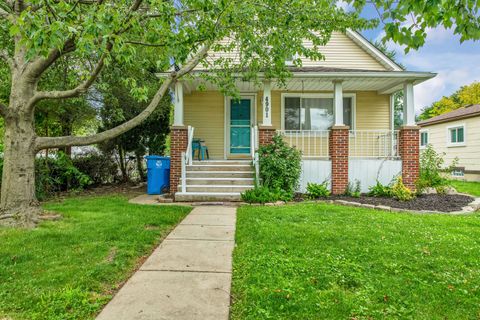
(461, 113)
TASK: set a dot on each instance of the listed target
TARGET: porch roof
(320, 79)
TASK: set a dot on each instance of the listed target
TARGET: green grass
(472, 188)
(69, 269)
(319, 261)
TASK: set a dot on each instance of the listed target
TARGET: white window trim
(428, 138)
(289, 63)
(451, 144)
(318, 95)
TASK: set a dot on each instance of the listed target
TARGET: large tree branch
(56, 142)
(6, 57)
(78, 90)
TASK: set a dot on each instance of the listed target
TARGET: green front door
(240, 126)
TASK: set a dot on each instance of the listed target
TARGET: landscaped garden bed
(424, 202)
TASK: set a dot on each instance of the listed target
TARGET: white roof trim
(373, 51)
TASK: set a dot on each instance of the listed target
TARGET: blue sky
(456, 64)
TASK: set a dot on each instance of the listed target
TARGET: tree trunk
(18, 205)
(140, 169)
(123, 164)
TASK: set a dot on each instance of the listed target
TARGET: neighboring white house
(457, 134)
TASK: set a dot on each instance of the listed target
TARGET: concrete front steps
(218, 180)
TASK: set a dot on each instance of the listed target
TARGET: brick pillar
(338, 151)
(265, 135)
(409, 146)
(178, 144)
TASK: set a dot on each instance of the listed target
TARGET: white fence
(368, 171)
(317, 171)
(312, 143)
(373, 144)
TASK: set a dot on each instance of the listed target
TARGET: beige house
(349, 93)
(457, 134)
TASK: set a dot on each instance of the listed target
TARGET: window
(458, 172)
(423, 139)
(314, 113)
(456, 135)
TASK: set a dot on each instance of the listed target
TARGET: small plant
(380, 190)
(263, 194)
(317, 190)
(353, 189)
(401, 192)
(280, 165)
(431, 170)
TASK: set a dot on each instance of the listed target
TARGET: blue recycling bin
(158, 174)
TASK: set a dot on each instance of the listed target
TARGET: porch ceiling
(381, 82)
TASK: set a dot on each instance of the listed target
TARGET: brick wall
(338, 151)
(265, 135)
(409, 145)
(178, 144)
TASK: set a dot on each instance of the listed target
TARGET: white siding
(317, 171)
(368, 171)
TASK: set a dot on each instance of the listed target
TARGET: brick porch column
(409, 147)
(338, 151)
(178, 144)
(265, 135)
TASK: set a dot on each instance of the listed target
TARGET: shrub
(263, 194)
(380, 190)
(353, 189)
(401, 192)
(431, 169)
(317, 190)
(99, 167)
(280, 165)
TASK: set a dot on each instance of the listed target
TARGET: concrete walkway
(187, 277)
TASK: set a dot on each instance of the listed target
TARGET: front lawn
(319, 261)
(69, 269)
(469, 187)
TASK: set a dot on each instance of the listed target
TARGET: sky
(456, 63)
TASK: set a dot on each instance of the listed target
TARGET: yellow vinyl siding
(469, 155)
(340, 52)
(205, 112)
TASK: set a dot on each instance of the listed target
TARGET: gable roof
(461, 113)
(378, 55)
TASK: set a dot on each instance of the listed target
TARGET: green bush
(99, 167)
(380, 190)
(317, 190)
(280, 166)
(353, 189)
(431, 169)
(55, 174)
(263, 194)
(401, 192)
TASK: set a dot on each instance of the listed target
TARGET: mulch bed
(430, 202)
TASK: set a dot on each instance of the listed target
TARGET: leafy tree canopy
(465, 96)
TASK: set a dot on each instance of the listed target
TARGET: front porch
(342, 123)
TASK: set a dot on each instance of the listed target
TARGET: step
(222, 162)
(220, 181)
(219, 167)
(207, 196)
(220, 174)
(217, 188)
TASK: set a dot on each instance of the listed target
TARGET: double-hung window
(310, 112)
(456, 136)
(423, 139)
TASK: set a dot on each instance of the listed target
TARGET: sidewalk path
(187, 277)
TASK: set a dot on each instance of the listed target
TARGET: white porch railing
(254, 143)
(373, 144)
(312, 143)
(187, 158)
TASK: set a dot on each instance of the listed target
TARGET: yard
(68, 269)
(319, 261)
(469, 187)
